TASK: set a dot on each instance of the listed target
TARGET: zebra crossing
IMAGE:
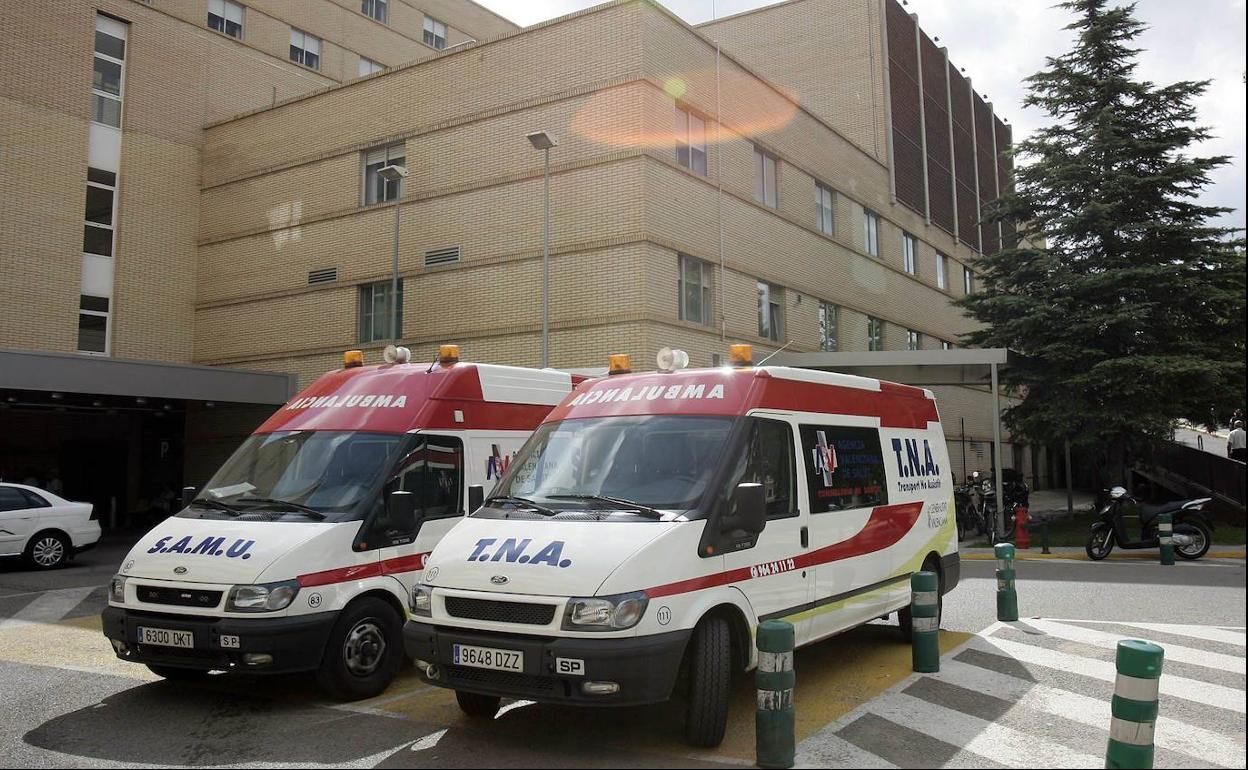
(19, 610)
(1037, 692)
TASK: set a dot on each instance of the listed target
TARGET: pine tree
(1125, 301)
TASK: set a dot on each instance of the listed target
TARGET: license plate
(163, 637)
(488, 657)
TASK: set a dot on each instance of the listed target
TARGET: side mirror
(400, 511)
(188, 494)
(476, 497)
(748, 509)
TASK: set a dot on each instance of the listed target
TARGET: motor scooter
(1192, 527)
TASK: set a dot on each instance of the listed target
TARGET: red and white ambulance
(654, 520)
(302, 551)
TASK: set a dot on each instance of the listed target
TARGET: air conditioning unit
(322, 275)
(446, 256)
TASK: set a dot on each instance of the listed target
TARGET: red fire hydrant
(1022, 534)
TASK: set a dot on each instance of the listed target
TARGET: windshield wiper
(273, 501)
(644, 510)
(526, 502)
(216, 505)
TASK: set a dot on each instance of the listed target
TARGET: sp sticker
(208, 546)
(314, 600)
(570, 666)
(230, 642)
(516, 551)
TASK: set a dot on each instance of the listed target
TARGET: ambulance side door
(433, 470)
(778, 586)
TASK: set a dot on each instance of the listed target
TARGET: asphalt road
(70, 703)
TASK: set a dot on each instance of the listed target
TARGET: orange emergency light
(741, 355)
(620, 363)
(448, 354)
(353, 358)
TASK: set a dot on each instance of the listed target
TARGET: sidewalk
(1050, 502)
(1071, 552)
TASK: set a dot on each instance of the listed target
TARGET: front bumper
(644, 667)
(295, 643)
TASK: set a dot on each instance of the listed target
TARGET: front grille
(503, 680)
(500, 612)
(178, 597)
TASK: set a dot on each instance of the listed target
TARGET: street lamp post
(395, 173)
(543, 140)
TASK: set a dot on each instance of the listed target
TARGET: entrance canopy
(69, 373)
(924, 368)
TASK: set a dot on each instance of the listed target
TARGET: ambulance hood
(216, 551)
(540, 558)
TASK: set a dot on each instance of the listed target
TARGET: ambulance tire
(905, 622)
(710, 677)
(478, 706)
(353, 643)
(175, 674)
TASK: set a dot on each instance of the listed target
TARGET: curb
(1144, 557)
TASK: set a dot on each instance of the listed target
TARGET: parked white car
(45, 529)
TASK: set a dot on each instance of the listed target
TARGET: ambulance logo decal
(825, 458)
(208, 546)
(916, 471)
(498, 463)
(514, 551)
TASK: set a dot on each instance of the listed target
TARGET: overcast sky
(999, 43)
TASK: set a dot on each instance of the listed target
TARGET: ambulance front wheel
(364, 651)
(478, 706)
(710, 676)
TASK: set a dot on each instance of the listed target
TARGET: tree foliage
(1125, 301)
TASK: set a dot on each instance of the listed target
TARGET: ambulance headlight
(605, 613)
(117, 588)
(422, 601)
(269, 597)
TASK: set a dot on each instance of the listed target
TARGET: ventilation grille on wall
(446, 256)
(323, 275)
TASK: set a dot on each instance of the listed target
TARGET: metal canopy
(963, 366)
(69, 373)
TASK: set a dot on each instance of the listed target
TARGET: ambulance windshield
(659, 461)
(330, 472)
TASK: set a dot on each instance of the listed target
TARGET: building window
(968, 280)
(942, 271)
(108, 79)
(305, 49)
(770, 311)
(871, 232)
(825, 207)
(100, 219)
(368, 67)
(828, 326)
(377, 313)
(695, 290)
(376, 189)
(435, 33)
(226, 17)
(375, 8)
(875, 334)
(764, 178)
(914, 340)
(92, 324)
(690, 141)
(909, 247)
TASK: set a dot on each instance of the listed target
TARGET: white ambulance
(654, 520)
(302, 551)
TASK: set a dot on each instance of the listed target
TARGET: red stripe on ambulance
(396, 566)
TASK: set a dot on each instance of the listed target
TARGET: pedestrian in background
(1237, 443)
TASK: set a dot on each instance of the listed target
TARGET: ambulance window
(432, 470)
(769, 461)
(844, 467)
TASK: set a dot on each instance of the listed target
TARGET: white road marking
(429, 741)
(1177, 686)
(1197, 742)
(987, 739)
(48, 608)
(1224, 634)
(1109, 641)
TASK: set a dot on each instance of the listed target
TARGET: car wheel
(48, 550)
(364, 651)
(175, 674)
(477, 706)
(710, 677)
(905, 621)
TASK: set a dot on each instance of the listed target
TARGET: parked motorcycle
(1192, 532)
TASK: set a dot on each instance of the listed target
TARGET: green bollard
(925, 622)
(1134, 706)
(775, 721)
(1165, 534)
(1007, 597)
